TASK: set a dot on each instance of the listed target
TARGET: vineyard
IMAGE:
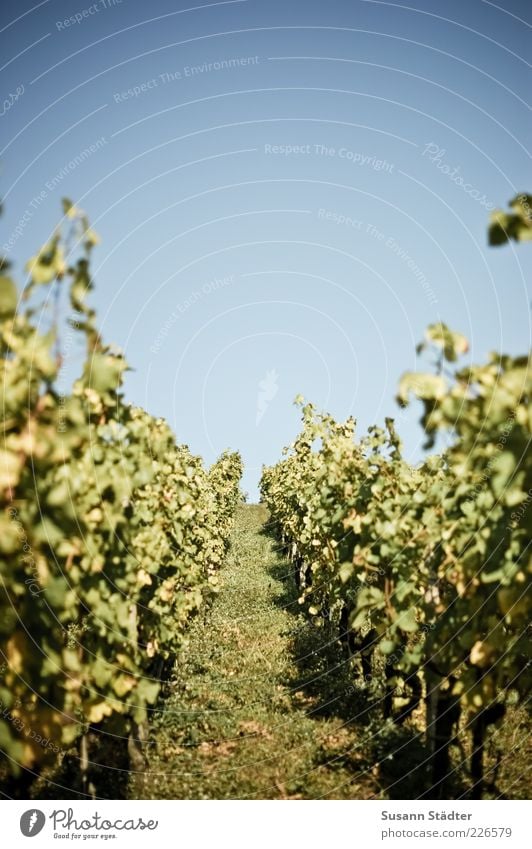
(133, 577)
(424, 570)
(111, 535)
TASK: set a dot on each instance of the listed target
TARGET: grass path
(245, 718)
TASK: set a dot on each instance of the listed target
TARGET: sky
(287, 194)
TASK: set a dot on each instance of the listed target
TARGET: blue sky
(287, 194)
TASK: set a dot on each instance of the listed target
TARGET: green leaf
(404, 589)
(104, 372)
(69, 209)
(345, 571)
(387, 646)
(452, 343)
(503, 467)
(407, 621)
(424, 386)
(8, 297)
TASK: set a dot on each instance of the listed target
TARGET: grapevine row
(111, 535)
(425, 569)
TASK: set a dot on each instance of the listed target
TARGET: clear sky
(287, 193)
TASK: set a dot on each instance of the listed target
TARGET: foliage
(516, 225)
(427, 567)
(110, 533)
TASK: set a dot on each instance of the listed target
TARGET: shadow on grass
(107, 775)
(332, 685)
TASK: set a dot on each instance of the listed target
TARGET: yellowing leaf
(10, 468)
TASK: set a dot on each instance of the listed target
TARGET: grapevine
(111, 534)
(424, 569)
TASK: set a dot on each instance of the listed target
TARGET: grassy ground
(245, 719)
